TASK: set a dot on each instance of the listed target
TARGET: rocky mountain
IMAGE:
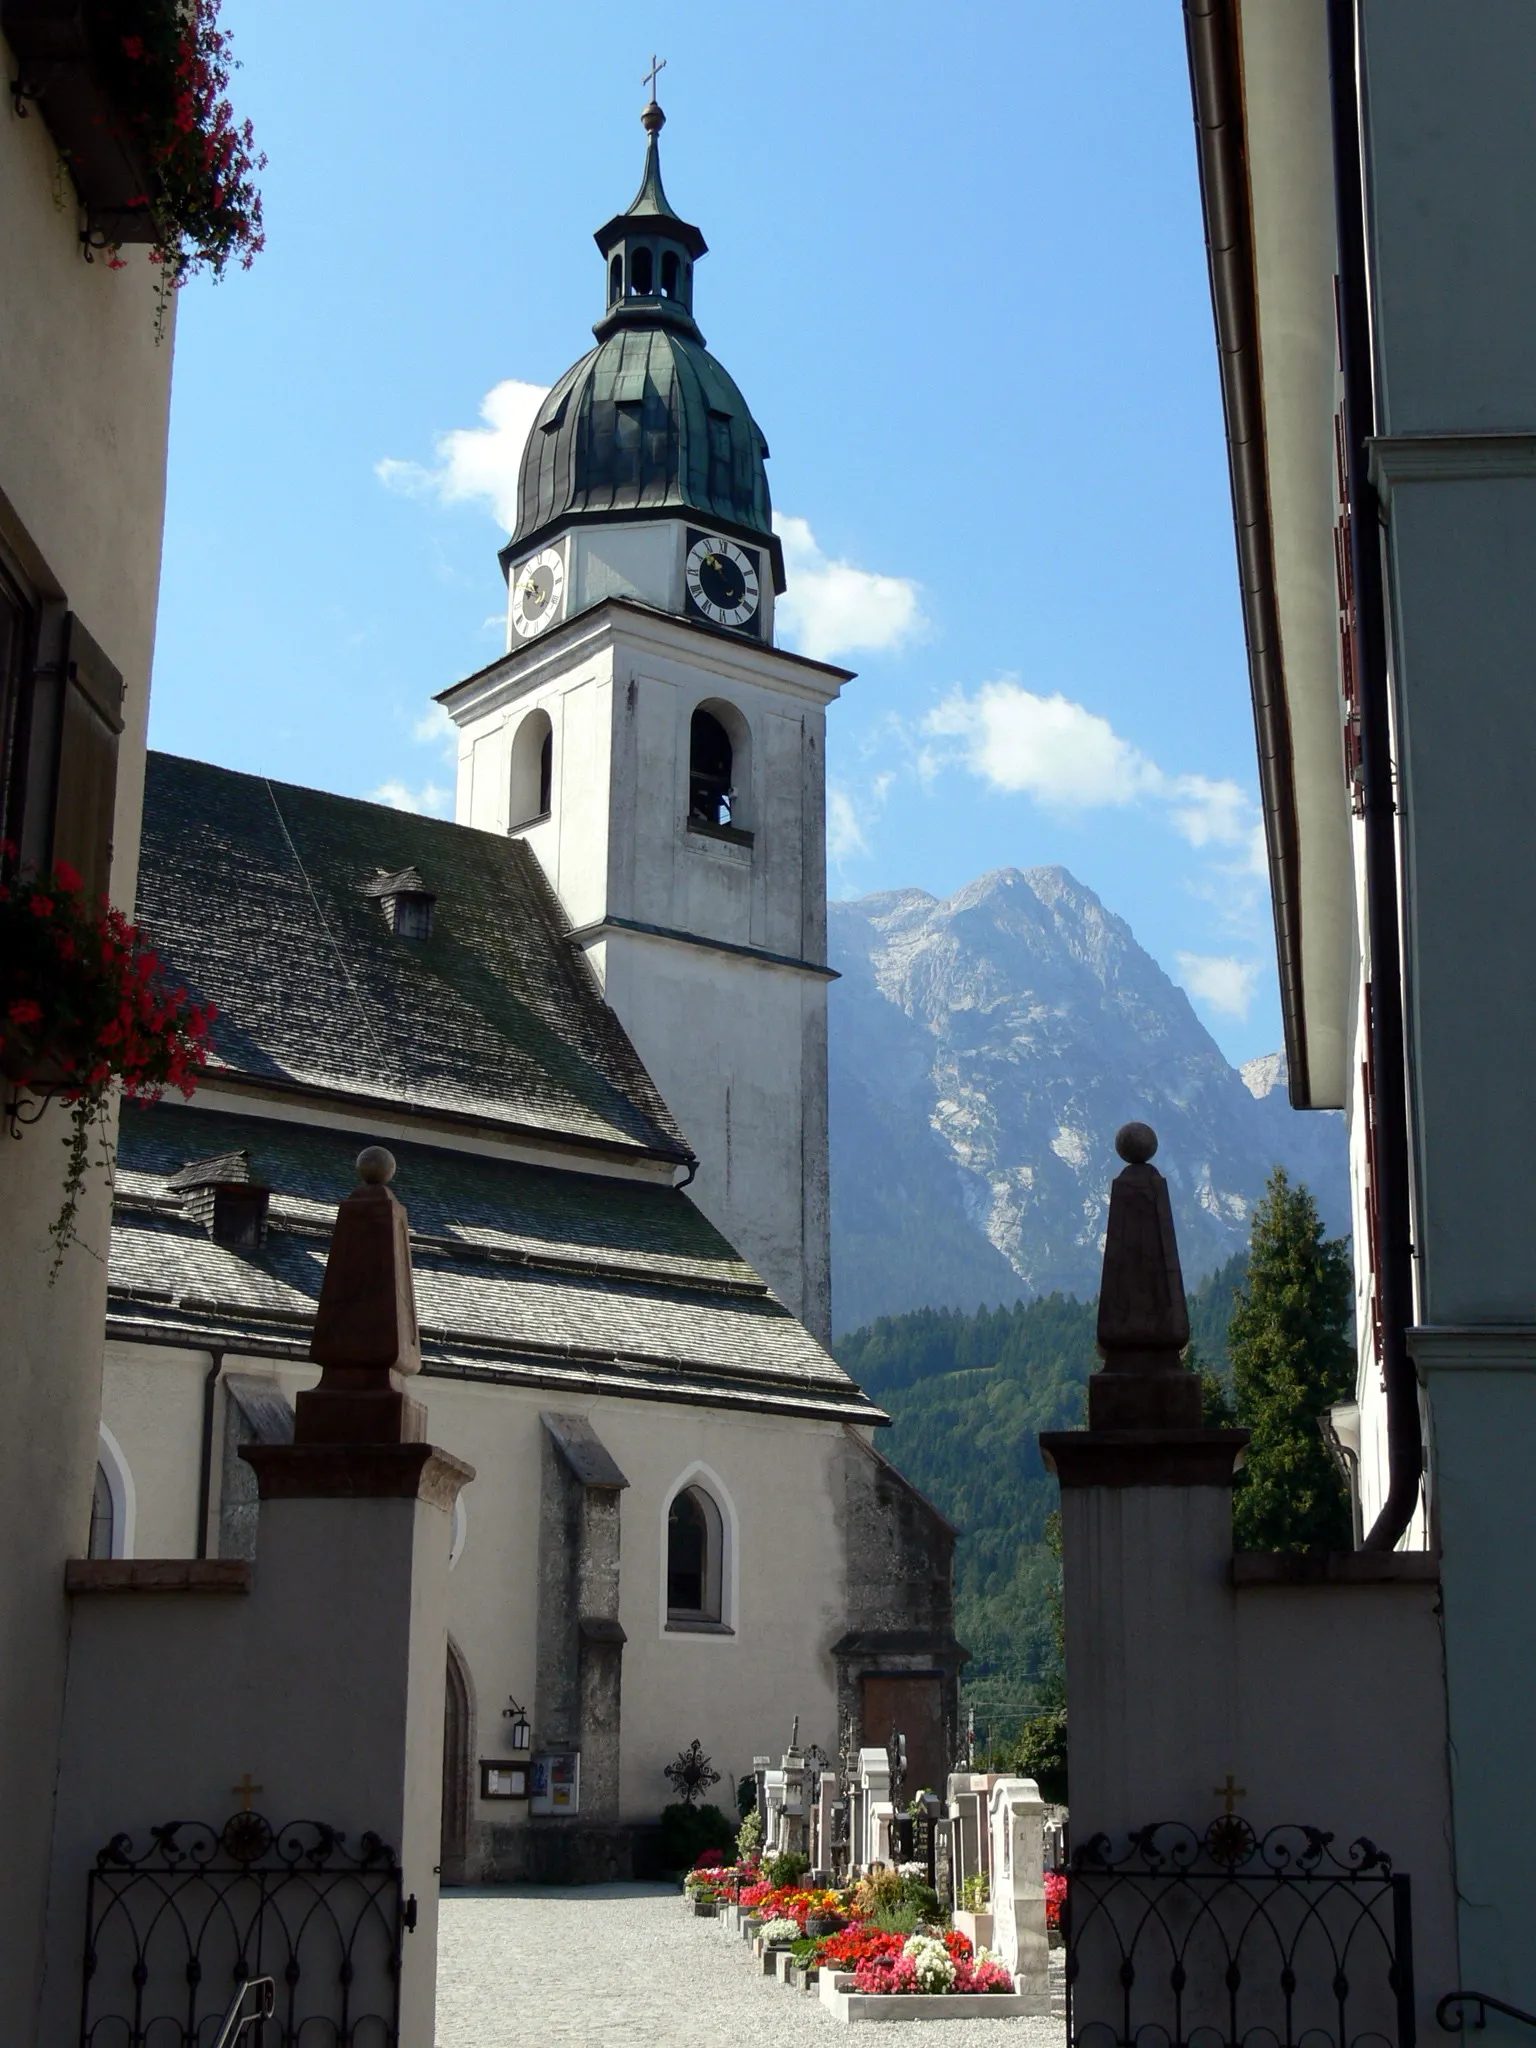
(984, 1050)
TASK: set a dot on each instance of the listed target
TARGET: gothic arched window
(710, 761)
(695, 1558)
(533, 762)
(103, 1517)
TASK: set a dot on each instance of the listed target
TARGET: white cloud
(1221, 982)
(832, 608)
(429, 799)
(1047, 747)
(476, 463)
(845, 836)
(1070, 758)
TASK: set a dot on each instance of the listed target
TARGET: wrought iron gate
(1228, 1939)
(172, 1931)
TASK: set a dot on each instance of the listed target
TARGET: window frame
(721, 1571)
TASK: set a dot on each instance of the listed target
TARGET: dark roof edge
(831, 1408)
(646, 611)
(582, 933)
(426, 1113)
(1215, 72)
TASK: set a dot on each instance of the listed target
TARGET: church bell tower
(663, 760)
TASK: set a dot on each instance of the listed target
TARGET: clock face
(537, 589)
(722, 580)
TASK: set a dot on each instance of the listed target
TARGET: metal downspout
(1389, 1108)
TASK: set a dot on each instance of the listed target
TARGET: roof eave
(1215, 66)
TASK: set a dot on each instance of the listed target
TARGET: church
(588, 1019)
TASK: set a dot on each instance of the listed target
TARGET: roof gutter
(1215, 71)
(1384, 1022)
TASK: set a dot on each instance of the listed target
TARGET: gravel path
(623, 1966)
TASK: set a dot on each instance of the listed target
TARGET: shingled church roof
(262, 898)
(524, 1275)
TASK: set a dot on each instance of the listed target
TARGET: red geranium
(1055, 1894)
(167, 64)
(83, 999)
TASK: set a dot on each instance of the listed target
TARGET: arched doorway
(457, 1733)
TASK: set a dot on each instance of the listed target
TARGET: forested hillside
(967, 1395)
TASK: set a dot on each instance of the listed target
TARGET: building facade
(1369, 178)
(84, 398)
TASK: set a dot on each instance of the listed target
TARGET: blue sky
(956, 267)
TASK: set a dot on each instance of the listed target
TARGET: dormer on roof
(405, 900)
(220, 1195)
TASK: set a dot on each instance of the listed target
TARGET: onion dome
(648, 424)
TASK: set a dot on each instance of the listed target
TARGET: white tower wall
(711, 944)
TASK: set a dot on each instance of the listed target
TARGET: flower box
(844, 2003)
(51, 41)
(705, 1909)
(976, 1927)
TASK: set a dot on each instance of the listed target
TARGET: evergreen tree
(1292, 1357)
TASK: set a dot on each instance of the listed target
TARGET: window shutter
(85, 780)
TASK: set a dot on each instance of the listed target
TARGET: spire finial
(653, 119)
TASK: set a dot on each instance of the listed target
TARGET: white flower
(931, 1960)
(780, 1930)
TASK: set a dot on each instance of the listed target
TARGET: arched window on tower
(710, 760)
(616, 279)
(669, 275)
(695, 1559)
(533, 762)
(640, 273)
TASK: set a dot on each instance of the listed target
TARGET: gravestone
(875, 1809)
(1016, 1814)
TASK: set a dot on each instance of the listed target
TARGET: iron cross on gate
(1231, 1792)
(245, 1789)
(649, 80)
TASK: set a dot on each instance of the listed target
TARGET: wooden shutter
(90, 708)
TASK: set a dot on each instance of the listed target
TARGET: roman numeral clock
(723, 581)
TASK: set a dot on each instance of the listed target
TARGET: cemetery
(887, 1906)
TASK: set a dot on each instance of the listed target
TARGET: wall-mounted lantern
(520, 1737)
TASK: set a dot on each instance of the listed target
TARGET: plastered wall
(84, 393)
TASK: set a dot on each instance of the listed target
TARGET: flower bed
(927, 1964)
(83, 1002)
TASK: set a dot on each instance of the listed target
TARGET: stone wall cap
(357, 1472)
(1144, 1457)
(200, 1575)
(1336, 1568)
(584, 1452)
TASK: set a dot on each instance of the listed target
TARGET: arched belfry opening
(711, 762)
(533, 771)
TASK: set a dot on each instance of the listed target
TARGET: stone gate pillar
(1146, 1518)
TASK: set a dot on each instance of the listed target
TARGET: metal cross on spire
(649, 80)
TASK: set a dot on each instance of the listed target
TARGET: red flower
(133, 46)
(42, 906)
(25, 1011)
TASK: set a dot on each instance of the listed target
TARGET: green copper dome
(648, 424)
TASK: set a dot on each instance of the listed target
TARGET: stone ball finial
(375, 1166)
(1136, 1143)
